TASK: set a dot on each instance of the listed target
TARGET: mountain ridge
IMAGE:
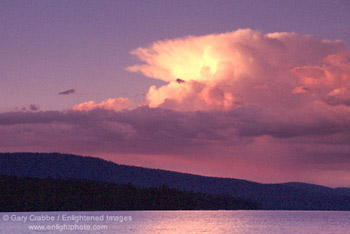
(283, 196)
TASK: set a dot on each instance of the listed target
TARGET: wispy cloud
(67, 92)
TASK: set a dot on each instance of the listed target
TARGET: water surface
(153, 222)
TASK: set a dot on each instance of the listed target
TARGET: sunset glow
(246, 90)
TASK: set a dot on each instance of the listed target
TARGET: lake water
(176, 222)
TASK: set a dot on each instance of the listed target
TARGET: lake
(153, 222)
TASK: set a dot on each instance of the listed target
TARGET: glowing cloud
(329, 81)
(115, 104)
(244, 67)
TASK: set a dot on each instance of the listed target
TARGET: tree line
(47, 194)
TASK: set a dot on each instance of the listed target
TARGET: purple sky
(51, 46)
(67, 73)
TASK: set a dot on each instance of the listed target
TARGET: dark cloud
(248, 136)
(179, 81)
(67, 92)
(334, 101)
(213, 125)
(34, 107)
(179, 128)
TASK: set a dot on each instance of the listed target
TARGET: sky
(256, 90)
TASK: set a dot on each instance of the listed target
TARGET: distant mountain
(288, 196)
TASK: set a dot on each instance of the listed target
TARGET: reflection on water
(245, 222)
(177, 222)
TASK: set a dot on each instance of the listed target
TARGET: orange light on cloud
(244, 67)
(115, 104)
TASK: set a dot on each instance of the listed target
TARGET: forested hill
(289, 196)
(48, 194)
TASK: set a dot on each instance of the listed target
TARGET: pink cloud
(329, 81)
(116, 104)
(244, 67)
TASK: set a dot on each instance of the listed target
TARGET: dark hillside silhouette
(33, 194)
(287, 196)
